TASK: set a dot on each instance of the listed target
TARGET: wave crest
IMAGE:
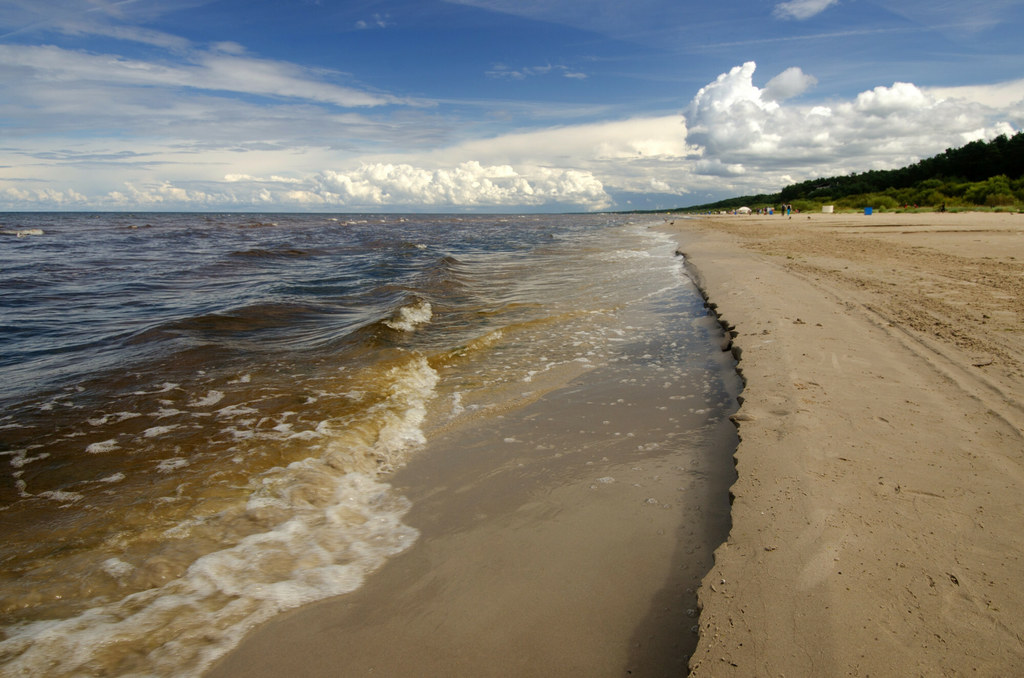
(408, 318)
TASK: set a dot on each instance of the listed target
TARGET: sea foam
(408, 318)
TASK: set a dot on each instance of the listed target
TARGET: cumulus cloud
(469, 184)
(274, 179)
(371, 186)
(738, 125)
(14, 195)
(731, 113)
(999, 95)
(789, 83)
(802, 9)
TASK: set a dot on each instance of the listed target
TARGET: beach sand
(876, 516)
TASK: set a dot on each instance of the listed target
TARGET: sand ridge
(881, 463)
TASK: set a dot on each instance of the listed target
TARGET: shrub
(999, 199)
(979, 192)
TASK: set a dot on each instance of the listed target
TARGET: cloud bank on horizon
(169, 106)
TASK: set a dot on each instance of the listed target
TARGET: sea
(200, 413)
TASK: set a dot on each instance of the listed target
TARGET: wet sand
(876, 515)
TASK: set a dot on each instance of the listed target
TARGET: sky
(485, 105)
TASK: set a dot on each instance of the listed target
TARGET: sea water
(200, 412)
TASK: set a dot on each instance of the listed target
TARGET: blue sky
(484, 105)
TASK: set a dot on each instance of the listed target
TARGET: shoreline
(880, 477)
(565, 536)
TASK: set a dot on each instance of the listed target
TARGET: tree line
(978, 174)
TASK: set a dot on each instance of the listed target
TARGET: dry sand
(877, 513)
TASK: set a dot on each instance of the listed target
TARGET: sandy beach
(876, 515)
(875, 511)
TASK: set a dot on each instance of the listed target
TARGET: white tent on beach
(743, 210)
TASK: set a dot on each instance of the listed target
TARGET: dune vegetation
(977, 176)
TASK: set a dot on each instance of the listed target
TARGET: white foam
(168, 465)
(404, 410)
(21, 458)
(324, 527)
(61, 496)
(303, 435)
(164, 388)
(210, 399)
(238, 434)
(102, 447)
(408, 318)
(117, 568)
(236, 411)
(155, 431)
(457, 406)
(187, 623)
(115, 418)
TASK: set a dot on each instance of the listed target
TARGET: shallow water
(200, 411)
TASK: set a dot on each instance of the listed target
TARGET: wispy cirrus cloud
(504, 72)
(377, 21)
(952, 18)
(802, 9)
(117, 18)
(204, 70)
(635, 20)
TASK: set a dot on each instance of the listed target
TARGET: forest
(979, 175)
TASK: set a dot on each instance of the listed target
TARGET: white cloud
(213, 71)
(999, 95)
(802, 9)
(623, 154)
(66, 199)
(274, 179)
(378, 21)
(502, 71)
(206, 151)
(229, 47)
(731, 113)
(954, 19)
(788, 84)
(902, 97)
(467, 185)
(372, 186)
(130, 33)
(736, 124)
